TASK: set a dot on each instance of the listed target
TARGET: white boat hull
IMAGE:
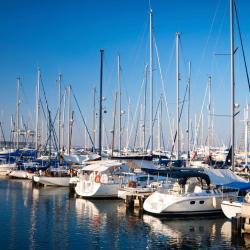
(230, 209)
(5, 169)
(19, 174)
(162, 203)
(52, 181)
(91, 189)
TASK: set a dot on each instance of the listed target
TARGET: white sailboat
(52, 181)
(194, 197)
(25, 171)
(101, 182)
(231, 208)
(60, 177)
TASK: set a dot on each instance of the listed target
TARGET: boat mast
(128, 120)
(232, 82)
(71, 128)
(145, 108)
(59, 111)
(120, 103)
(177, 97)
(209, 113)
(37, 107)
(151, 78)
(141, 127)
(69, 118)
(246, 133)
(94, 116)
(160, 124)
(113, 131)
(188, 114)
(49, 133)
(201, 132)
(100, 109)
(63, 117)
(17, 112)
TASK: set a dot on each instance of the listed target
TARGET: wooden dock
(136, 200)
(241, 222)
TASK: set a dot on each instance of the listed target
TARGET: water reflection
(181, 233)
(51, 210)
(226, 230)
(93, 208)
(49, 218)
(100, 220)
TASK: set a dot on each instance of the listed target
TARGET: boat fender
(176, 187)
(214, 202)
(247, 197)
(97, 178)
(155, 185)
(104, 178)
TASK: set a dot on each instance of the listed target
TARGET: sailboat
(58, 177)
(232, 207)
(6, 154)
(193, 195)
(99, 180)
(192, 198)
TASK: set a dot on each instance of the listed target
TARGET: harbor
(105, 145)
(47, 218)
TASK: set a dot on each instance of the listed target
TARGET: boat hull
(91, 189)
(19, 174)
(231, 209)
(166, 204)
(52, 181)
(5, 169)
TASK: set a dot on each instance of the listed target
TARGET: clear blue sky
(66, 36)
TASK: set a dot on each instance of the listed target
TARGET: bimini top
(239, 185)
(101, 166)
(222, 176)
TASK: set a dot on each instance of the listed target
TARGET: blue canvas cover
(238, 185)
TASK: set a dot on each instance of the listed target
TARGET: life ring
(132, 184)
(97, 178)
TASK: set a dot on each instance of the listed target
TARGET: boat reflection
(96, 218)
(16, 184)
(242, 240)
(50, 206)
(85, 208)
(98, 211)
(49, 191)
(183, 232)
(226, 230)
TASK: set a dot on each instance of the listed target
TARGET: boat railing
(101, 178)
(187, 190)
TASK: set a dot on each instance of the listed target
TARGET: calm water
(49, 218)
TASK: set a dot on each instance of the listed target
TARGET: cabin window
(192, 202)
(201, 202)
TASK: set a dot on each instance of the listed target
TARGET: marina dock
(241, 222)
